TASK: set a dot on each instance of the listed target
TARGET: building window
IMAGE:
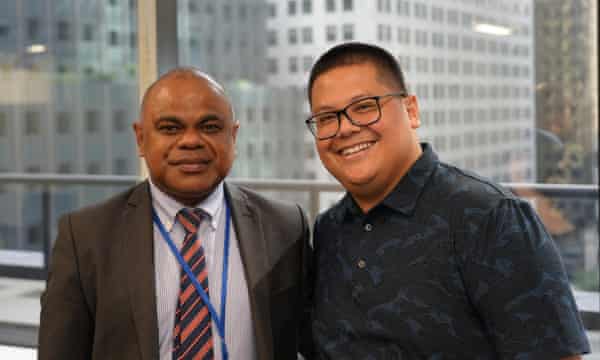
(88, 32)
(120, 166)
(331, 33)
(293, 64)
(92, 121)
(63, 122)
(384, 6)
(227, 12)
(437, 14)
(33, 169)
(420, 10)
(306, 6)
(452, 17)
(403, 7)
(422, 65)
(94, 167)
(272, 10)
(453, 67)
(437, 40)
(348, 31)
(32, 123)
(33, 28)
(330, 5)
(272, 66)
(404, 35)
(266, 115)
(119, 121)
(437, 65)
(62, 31)
(348, 5)
(467, 43)
(65, 168)
(467, 20)
(243, 12)
(307, 63)
(113, 38)
(4, 29)
(272, 37)
(292, 7)
(292, 36)
(250, 150)
(267, 149)
(307, 37)
(250, 115)
(421, 37)
(3, 124)
(452, 41)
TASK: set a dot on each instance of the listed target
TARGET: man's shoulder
(261, 202)
(466, 189)
(114, 205)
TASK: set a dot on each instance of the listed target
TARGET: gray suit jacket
(100, 300)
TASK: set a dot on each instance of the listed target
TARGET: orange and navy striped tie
(192, 335)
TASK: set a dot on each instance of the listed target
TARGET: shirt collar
(405, 195)
(167, 208)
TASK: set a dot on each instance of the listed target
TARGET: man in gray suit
(183, 265)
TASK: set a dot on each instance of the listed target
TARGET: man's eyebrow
(328, 108)
(210, 117)
(168, 118)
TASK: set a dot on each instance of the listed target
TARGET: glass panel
(68, 78)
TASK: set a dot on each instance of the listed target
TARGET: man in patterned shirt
(422, 260)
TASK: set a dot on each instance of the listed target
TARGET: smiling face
(186, 136)
(368, 161)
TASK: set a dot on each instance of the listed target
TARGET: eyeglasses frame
(338, 114)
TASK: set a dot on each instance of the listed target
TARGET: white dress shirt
(239, 332)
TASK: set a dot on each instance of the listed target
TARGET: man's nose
(191, 138)
(346, 125)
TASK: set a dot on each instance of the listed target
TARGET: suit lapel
(253, 251)
(138, 251)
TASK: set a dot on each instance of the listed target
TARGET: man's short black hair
(352, 53)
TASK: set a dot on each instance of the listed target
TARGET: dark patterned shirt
(447, 266)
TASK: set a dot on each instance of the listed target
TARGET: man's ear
(412, 108)
(139, 137)
(234, 130)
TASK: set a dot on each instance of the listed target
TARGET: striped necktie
(192, 335)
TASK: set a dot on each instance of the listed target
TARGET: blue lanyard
(220, 321)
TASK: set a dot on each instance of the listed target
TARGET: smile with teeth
(356, 148)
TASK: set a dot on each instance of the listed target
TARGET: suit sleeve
(306, 340)
(66, 325)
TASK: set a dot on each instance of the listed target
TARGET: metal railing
(313, 188)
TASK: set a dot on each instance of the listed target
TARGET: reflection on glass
(68, 81)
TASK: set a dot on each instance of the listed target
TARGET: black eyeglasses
(362, 112)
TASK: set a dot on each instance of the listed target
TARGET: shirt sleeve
(516, 282)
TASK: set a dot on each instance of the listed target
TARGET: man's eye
(211, 127)
(326, 119)
(168, 129)
(362, 107)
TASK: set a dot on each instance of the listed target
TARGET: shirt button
(368, 227)
(361, 264)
